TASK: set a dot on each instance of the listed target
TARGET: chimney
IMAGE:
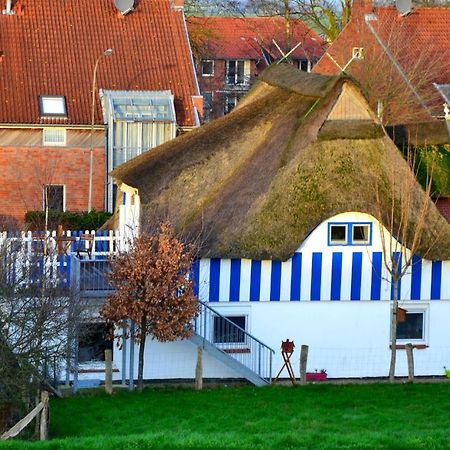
(9, 11)
(178, 4)
(361, 7)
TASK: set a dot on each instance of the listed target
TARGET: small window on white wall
(413, 328)
(361, 234)
(338, 234)
(54, 137)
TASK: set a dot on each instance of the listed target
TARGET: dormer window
(52, 106)
(358, 52)
(349, 233)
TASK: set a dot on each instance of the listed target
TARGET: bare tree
(154, 290)
(402, 218)
(38, 312)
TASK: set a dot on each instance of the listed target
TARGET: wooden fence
(42, 409)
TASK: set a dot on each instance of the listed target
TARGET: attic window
(338, 234)
(360, 234)
(52, 106)
(358, 52)
(350, 233)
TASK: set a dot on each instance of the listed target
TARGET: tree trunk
(141, 355)
(394, 331)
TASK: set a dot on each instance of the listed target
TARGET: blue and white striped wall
(320, 272)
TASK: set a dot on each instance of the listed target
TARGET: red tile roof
(50, 47)
(420, 42)
(242, 38)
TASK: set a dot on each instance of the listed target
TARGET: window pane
(93, 342)
(226, 332)
(54, 195)
(360, 233)
(240, 72)
(338, 233)
(207, 67)
(412, 328)
(53, 106)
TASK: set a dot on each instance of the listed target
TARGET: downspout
(370, 17)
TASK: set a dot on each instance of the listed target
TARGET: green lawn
(316, 416)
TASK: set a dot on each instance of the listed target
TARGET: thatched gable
(255, 183)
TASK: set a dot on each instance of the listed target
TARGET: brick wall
(25, 169)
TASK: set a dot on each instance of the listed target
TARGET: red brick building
(48, 52)
(230, 52)
(400, 58)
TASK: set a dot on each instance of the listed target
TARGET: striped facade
(317, 276)
(320, 272)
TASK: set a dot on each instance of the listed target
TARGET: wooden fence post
(410, 358)
(303, 363)
(43, 435)
(108, 371)
(199, 369)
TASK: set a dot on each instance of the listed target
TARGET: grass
(311, 417)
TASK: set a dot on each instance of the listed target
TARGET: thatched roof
(256, 182)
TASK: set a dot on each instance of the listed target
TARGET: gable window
(225, 332)
(52, 106)
(338, 234)
(349, 233)
(413, 328)
(54, 137)
(358, 52)
(360, 234)
(207, 67)
(53, 196)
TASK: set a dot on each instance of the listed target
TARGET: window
(93, 342)
(207, 67)
(304, 65)
(358, 53)
(349, 233)
(53, 197)
(54, 137)
(231, 100)
(226, 332)
(207, 101)
(236, 72)
(338, 234)
(360, 234)
(52, 106)
(413, 328)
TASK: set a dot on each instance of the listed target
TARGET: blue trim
(355, 292)
(316, 276)
(235, 280)
(275, 281)
(377, 264)
(349, 241)
(416, 277)
(296, 276)
(255, 281)
(336, 276)
(397, 256)
(436, 278)
(196, 276)
(214, 279)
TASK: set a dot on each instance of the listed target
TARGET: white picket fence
(67, 242)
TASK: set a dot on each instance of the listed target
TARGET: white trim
(46, 130)
(201, 67)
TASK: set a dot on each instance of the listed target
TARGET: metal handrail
(235, 341)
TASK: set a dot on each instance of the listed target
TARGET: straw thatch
(256, 182)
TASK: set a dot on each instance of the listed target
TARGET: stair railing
(228, 336)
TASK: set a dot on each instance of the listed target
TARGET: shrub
(35, 220)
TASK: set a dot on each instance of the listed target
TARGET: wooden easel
(287, 348)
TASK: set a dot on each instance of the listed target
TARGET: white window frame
(44, 186)
(212, 68)
(339, 242)
(358, 52)
(47, 110)
(357, 241)
(413, 308)
(46, 143)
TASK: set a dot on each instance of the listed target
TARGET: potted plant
(316, 375)
(447, 372)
